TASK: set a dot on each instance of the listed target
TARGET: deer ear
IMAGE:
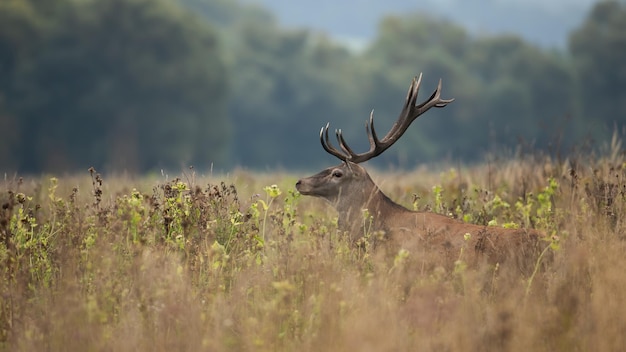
(356, 170)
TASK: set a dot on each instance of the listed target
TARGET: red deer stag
(350, 189)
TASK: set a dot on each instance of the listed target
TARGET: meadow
(242, 262)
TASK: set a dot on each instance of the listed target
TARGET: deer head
(348, 186)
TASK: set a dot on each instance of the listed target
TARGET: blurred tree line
(124, 84)
(139, 85)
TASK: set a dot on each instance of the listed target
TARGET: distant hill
(545, 23)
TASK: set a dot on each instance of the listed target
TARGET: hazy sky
(544, 22)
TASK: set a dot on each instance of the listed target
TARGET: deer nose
(298, 183)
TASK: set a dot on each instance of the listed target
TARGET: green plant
(272, 192)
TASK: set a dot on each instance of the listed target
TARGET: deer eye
(337, 173)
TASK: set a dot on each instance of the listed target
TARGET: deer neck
(367, 206)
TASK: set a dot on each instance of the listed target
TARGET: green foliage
(600, 58)
(131, 84)
(286, 83)
(505, 89)
(490, 208)
(437, 192)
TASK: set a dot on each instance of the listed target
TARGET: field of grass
(232, 263)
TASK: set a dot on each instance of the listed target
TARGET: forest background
(139, 86)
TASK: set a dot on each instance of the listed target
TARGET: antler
(409, 113)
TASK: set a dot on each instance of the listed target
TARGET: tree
(528, 94)
(405, 47)
(286, 85)
(599, 51)
(506, 90)
(19, 38)
(128, 84)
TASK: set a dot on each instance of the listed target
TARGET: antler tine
(371, 132)
(410, 112)
(405, 117)
(344, 146)
(328, 147)
(434, 101)
(414, 88)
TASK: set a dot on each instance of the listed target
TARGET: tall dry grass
(115, 263)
